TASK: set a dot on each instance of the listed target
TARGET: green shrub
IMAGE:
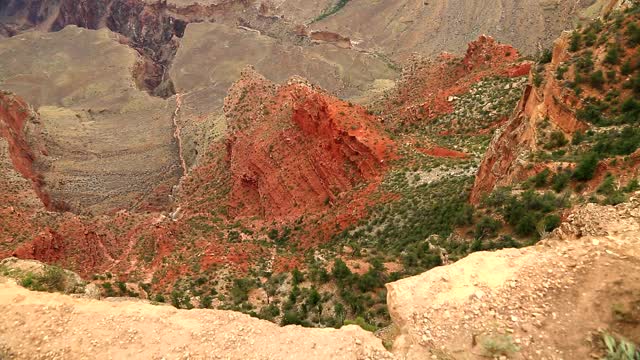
(584, 64)
(546, 56)
(560, 181)
(633, 32)
(487, 227)
(613, 55)
(240, 291)
(291, 318)
(578, 138)
(618, 142)
(626, 68)
(620, 349)
(608, 185)
(340, 270)
(52, 279)
(296, 276)
(615, 198)
(586, 167)
(497, 345)
(541, 179)
(560, 71)
(597, 79)
(556, 140)
(362, 323)
(632, 186)
(593, 113)
(537, 79)
(551, 222)
(575, 42)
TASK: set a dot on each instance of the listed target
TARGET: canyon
(402, 179)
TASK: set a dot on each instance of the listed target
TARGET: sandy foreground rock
(549, 301)
(52, 326)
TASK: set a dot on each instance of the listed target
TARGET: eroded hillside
(230, 182)
(400, 28)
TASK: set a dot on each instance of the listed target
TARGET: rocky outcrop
(45, 325)
(19, 127)
(519, 302)
(332, 38)
(293, 148)
(26, 271)
(500, 162)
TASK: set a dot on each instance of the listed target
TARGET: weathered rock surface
(71, 328)
(213, 54)
(546, 299)
(293, 147)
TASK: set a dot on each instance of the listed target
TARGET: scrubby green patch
(332, 10)
(619, 349)
(488, 100)
(499, 345)
(477, 114)
(530, 214)
(50, 278)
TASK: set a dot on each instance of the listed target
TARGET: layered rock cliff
(20, 129)
(293, 148)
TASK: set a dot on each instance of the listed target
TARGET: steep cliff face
(293, 148)
(401, 28)
(19, 127)
(584, 85)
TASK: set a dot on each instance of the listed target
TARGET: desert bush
(597, 79)
(51, 279)
(546, 56)
(620, 349)
(499, 345)
(560, 180)
(487, 227)
(586, 167)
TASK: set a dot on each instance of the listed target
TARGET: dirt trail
(177, 135)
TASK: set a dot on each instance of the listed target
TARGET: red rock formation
(425, 88)
(552, 101)
(332, 38)
(15, 113)
(500, 159)
(438, 151)
(294, 148)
